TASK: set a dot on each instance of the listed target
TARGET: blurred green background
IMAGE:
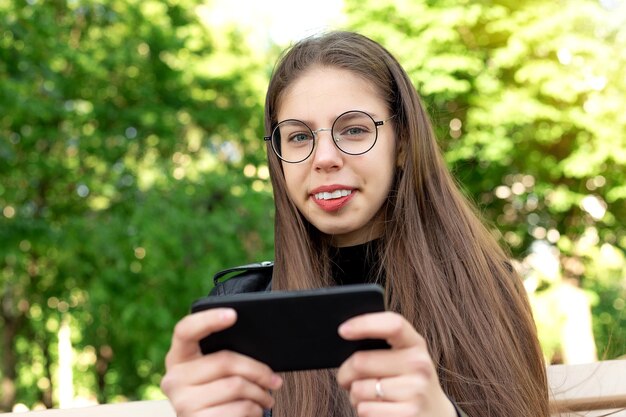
(132, 167)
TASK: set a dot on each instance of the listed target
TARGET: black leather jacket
(247, 278)
(253, 278)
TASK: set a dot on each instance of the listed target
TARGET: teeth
(334, 194)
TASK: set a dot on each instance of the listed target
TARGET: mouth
(332, 195)
(332, 198)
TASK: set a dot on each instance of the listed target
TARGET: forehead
(322, 93)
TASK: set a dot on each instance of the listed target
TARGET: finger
(218, 365)
(402, 388)
(192, 328)
(363, 390)
(385, 363)
(390, 326)
(238, 408)
(385, 409)
(220, 392)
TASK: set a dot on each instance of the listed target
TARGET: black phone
(294, 330)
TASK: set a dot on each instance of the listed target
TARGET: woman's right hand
(219, 384)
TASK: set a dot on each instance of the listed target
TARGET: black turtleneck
(355, 264)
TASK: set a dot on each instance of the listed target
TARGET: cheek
(294, 180)
(384, 164)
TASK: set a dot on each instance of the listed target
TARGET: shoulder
(245, 278)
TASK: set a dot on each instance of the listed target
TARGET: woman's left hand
(401, 381)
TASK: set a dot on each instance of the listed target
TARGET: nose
(326, 154)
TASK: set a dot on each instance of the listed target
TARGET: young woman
(363, 195)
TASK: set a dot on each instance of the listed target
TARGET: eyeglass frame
(377, 124)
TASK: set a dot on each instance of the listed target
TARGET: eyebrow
(374, 116)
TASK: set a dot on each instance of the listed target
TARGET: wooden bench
(592, 390)
(157, 408)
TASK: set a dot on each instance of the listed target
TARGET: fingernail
(227, 314)
(276, 381)
(345, 329)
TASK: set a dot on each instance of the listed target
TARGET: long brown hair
(443, 270)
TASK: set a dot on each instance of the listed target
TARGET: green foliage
(527, 97)
(131, 165)
(125, 129)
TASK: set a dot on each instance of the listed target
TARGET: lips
(333, 197)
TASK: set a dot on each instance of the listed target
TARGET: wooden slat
(159, 408)
(585, 387)
(590, 390)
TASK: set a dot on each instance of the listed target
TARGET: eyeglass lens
(353, 132)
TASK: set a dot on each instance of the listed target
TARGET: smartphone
(294, 330)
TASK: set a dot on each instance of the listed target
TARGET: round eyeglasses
(354, 133)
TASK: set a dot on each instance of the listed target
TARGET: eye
(354, 130)
(299, 137)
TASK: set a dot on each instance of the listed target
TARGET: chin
(334, 230)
